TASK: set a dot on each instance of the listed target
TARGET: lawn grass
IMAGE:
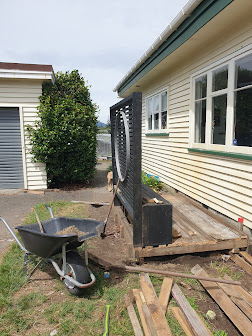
(71, 315)
(38, 313)
(59, 208)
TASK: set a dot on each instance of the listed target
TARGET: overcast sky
(102, 39)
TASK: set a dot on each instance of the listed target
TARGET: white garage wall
(25, 95)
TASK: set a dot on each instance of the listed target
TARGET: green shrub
(109, 169)
(65, 136)
(152, 182)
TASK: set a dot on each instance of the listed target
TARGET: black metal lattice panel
(125, 120)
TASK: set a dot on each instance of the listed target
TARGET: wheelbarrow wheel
(77, 269)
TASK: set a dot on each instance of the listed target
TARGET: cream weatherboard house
(196, 81)
(20, 88)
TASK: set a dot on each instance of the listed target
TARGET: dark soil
(71, 230)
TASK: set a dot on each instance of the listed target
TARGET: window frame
(230, 91)
(162, 131)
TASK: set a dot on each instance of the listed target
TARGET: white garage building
(20, 88)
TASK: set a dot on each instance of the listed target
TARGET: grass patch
(222, 269)
(11, 274)
(60, 209)
(17, 316)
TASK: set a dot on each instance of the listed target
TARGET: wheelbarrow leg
(64, 259)
(27, 261)
(86, 252)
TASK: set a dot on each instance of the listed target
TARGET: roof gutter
(175, 23)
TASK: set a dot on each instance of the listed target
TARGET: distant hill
(101, 124)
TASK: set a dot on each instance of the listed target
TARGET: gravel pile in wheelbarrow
(70, 230)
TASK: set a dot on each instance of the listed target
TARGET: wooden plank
(237, 299)
(245, 294)
(120, 217)
(192, 248)
(165, 293)
(149, 320)
(133, 317)
(241, 292)
(230, 309)
(190, 315)
(154, 306)
(246, 256)
(189, 225)
(182, 321)
(242, 263)
(203, 322)
(139, 303)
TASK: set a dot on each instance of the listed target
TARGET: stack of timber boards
(201, 230)
(243, 260)
(152, 310)
(235, 302)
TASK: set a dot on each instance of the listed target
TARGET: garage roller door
(11, 164)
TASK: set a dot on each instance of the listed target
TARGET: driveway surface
(14, 207)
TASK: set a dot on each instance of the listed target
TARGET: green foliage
(65, 137)
(109, 169)
(152, 182)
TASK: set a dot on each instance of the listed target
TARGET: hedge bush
(65, 136)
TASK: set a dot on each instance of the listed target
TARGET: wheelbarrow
(73, 269)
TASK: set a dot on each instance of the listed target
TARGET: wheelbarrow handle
(50, 210)
(13, 235)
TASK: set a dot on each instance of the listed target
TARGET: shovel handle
(110, 207)
(39, 223)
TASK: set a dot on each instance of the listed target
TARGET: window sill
(157, 134)
(226, 154)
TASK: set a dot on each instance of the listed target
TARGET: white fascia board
(19, 74)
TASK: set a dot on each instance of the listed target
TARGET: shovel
(103, 234)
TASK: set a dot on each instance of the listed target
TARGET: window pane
(201, 87)
(243, 118)
(244, 72)
(164, 120)
(149, 106)
(200, 121)
(164, 101)
(220, 79)
(156, 103)
(150, 122)
(219, 119)
(156, 121)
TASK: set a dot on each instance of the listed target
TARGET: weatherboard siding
(222, 183)
(25, 95)
(36, 174)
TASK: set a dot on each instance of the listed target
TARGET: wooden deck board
(201, 230)
(203, 221)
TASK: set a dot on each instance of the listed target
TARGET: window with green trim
(157, 112)
(222, 106)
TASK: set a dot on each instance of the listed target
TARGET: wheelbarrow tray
(48, 244)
